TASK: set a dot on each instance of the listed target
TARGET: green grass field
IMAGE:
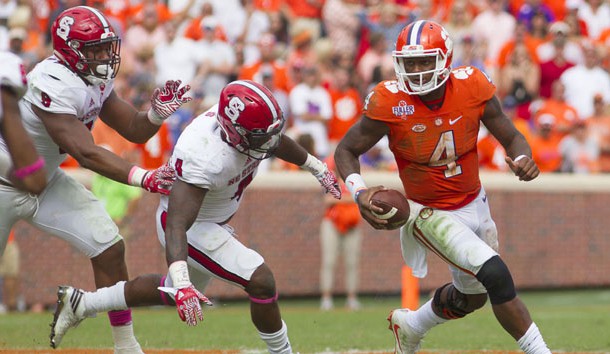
(571, 321)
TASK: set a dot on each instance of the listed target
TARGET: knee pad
(453, 304)
(498, 282)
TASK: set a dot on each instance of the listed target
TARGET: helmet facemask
(257, 143)
(95, 68)
(413, 82)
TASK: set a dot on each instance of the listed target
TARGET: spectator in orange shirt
(565, 115)
(599, 128)
(268, 62)
(520, 78)
(306, 15)
(346, 104)
(340, 234)
(545, 145)
(521, 37)
(579, 151)
(137, 12)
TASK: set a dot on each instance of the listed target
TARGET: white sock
(105, 299)
(125, 341)
(277, 343)
(532, 341)
(424, 318)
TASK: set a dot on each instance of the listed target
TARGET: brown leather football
(395, 207)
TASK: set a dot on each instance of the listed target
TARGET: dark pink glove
(188, 303)
(159, 180)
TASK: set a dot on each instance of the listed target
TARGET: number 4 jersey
(436, 150)
(202, 159)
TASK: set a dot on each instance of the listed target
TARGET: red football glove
(328, 180)
(165, 101)
(159, 180)
(188, 303)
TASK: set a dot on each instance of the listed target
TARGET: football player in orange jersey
(431, 115)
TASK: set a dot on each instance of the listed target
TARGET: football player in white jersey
(66, 93)
(22, 165)
(216, 158)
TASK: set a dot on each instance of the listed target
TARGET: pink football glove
(165, 101)
(159, 180)
(328, 180)
(188, 303)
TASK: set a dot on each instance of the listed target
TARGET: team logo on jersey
(418, 128)
(438, 121)
(403, 110)
(426, 213)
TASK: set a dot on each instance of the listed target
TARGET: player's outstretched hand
(159, 180)
(329, 182)
(165, 101)
(523, 167)
(367, 208)
(188, 303)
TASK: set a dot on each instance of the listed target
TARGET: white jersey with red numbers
(54, 88)
(203, 159)
(12, 74)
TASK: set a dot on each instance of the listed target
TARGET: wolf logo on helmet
(250, 118)
(84, 40)
(419, 41)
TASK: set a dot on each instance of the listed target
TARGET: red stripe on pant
(208, 263)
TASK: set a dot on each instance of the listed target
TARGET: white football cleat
(407, 340)
(69, 313)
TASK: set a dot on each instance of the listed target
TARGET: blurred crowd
(550, 61)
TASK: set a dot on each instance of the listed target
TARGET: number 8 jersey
(435, 150)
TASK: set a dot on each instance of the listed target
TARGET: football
(395, 207)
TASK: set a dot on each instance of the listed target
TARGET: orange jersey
(347, 108)
(435, 150)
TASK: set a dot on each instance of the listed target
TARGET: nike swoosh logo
(453, 121)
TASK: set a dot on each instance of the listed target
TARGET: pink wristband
(23, 172)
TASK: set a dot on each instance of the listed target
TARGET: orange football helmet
(422, 39)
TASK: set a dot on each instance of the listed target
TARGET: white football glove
(188, 299)
(326, 177)
(165, 101)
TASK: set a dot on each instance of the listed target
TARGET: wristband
(357, 194)
(154, 118)
(136, 176)
(179, 273)
(355, 184)
(519, 158)
(314, 165)
(23, 172)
